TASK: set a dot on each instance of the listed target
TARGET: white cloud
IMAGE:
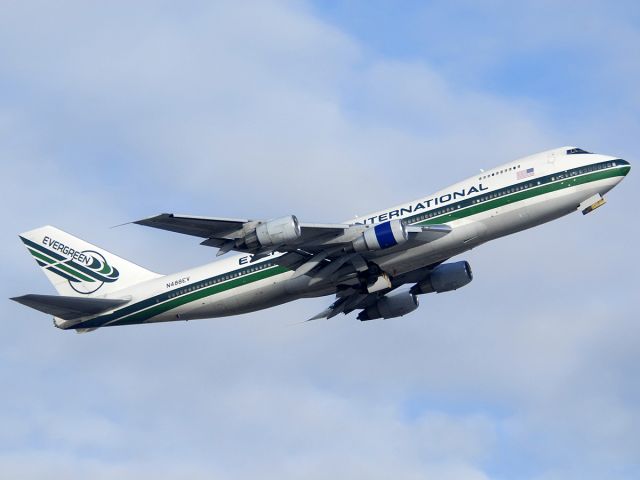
(119, 112)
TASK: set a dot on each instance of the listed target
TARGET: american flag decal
(525, 173)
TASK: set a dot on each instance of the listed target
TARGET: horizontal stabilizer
(68, 308)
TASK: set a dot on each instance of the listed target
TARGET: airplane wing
(285, 233)
(318, 247)
(231, 233)
(204, 227)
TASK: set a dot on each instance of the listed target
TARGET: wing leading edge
(287, 234)
(238, 234)
(337, 254)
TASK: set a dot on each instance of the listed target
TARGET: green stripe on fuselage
(525, 194)
(135, 315)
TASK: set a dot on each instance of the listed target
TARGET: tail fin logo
(86, 271)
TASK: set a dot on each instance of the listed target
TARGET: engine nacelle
(391, 306)
(276, 232)
(383, 235)
(444, 278)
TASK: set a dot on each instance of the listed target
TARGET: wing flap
(347, 304)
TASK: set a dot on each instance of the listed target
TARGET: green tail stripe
(78, 269)
(42, 249)
(62, 274)
(94, 274)
(75, 273)
(77, 276)
(41, 256)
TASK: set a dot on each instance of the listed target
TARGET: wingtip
(319, 316)
(121, 224)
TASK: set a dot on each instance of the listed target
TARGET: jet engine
(273, 233)
(444, 278)
(391, 306)
(383, 235)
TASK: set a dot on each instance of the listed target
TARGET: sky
(115, 111)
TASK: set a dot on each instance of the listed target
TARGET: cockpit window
(573, 151)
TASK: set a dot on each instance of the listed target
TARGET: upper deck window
(573, 151)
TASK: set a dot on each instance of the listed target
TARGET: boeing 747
(377, 264)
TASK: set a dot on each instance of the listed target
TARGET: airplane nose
(625, 166)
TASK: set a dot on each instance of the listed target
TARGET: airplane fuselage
(498, 202)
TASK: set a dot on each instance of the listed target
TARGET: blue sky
(114, 112)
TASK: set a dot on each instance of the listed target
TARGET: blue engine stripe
(384, 234)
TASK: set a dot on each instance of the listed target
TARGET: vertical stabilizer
(77, 268)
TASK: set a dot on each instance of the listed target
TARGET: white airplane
(377, 264)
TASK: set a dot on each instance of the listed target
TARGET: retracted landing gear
(592, 203)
